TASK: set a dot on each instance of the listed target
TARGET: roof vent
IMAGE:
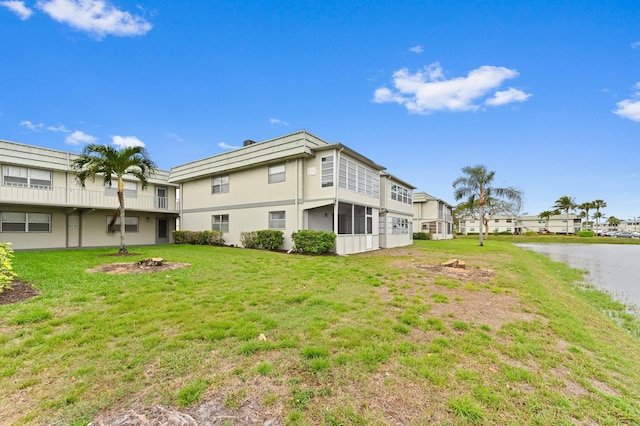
(248, 142)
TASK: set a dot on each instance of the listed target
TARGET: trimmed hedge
(212, 238)
(421, 235)
(266, 239)
(314, 242)
(586, 233)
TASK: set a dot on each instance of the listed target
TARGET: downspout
(336, 167)
(295, 202)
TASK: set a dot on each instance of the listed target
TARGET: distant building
(432, 215)
(512, 224)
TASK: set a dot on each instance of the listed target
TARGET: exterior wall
(73, 207)
(433, 216)
(390, 234)
(518, 225)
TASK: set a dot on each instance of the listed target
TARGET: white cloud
(635, 44)
(127, 141)
(60, 128)
(78, 137)
(224, 145)
(416, 49)
(630, 108)
(32, 126)
(507, 96)
(95, 16)
(18, 8)
(278, 121)
(427, 91)
(175, 137)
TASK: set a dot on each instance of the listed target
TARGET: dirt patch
(18, 292)
(136, 268)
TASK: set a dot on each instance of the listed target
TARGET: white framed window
(399, 225)
(327, 171)
(219, 184)
(509, 220)
(25, 222)
(277, 220)
(357, 178)
(402, 194)
(277, 173)
(220, 222)
(25, 177)
(130, 188)
(130, 223)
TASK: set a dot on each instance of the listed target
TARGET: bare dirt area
(137, 267)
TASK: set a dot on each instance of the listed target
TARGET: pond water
(614, 268)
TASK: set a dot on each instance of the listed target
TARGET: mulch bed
(18, 292)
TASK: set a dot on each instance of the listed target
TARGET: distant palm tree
(598, 204)
(613, 221)
(476, 187)
(565, 203)
(110, 162)
(586, 207)
(546, 215)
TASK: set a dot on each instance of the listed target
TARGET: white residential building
(432, 215)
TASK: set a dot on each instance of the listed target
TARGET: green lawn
(379, 338)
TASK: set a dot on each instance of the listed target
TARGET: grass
(349, 340)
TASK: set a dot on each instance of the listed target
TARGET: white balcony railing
(82, 198)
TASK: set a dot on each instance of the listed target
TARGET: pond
(614, 268)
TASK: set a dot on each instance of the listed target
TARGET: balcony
(81, 198)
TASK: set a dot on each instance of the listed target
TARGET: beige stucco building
(293, 182)
(42, 206)
(432, 215)
(557, 224)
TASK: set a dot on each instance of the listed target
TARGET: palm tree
(546, 215)
(110, 162)
(476, 187)
(598, 204)
(565, 203)
(586, 207)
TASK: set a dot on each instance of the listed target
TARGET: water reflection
(612, 267)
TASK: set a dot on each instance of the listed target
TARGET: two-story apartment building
(432, 215)
(293, 182)
(556, 224)
(42, 206)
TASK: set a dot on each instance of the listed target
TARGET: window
(220, 222)
(497, 220)
(24, 177)
(25, 222)
(276, 173)
(399, 226)
(327, 171)
(509, 220)
(130, 189)
(401, 194)
(277, 220)
(219, 184)
(357, 178)
(130, 223)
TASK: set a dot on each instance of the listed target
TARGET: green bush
(212, 238)
(421, 236)
(587, 233)
(314, 242)
(249, 240)
(6, 267)
(270, 239)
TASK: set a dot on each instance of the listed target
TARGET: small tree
(546, 215)
(110, 162)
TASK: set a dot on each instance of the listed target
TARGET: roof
(299, 144)
(398, 180)
(421, 196)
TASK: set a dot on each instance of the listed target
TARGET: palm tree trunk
(123, 247)
(481, 209)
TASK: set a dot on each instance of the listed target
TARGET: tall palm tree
(565, 203)
(598, 204)
(476, 187)
(586, 207)
(111, 162)
(546, 215)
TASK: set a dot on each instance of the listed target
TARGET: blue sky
(547, 94)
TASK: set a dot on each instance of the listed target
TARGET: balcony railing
(81, 198)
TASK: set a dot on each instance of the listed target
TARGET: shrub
(213, 238)
(421, 236)
(270, 239)
(530, 233)
(314, 242)
(249, 239)
(586, 233)
(6, 266)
